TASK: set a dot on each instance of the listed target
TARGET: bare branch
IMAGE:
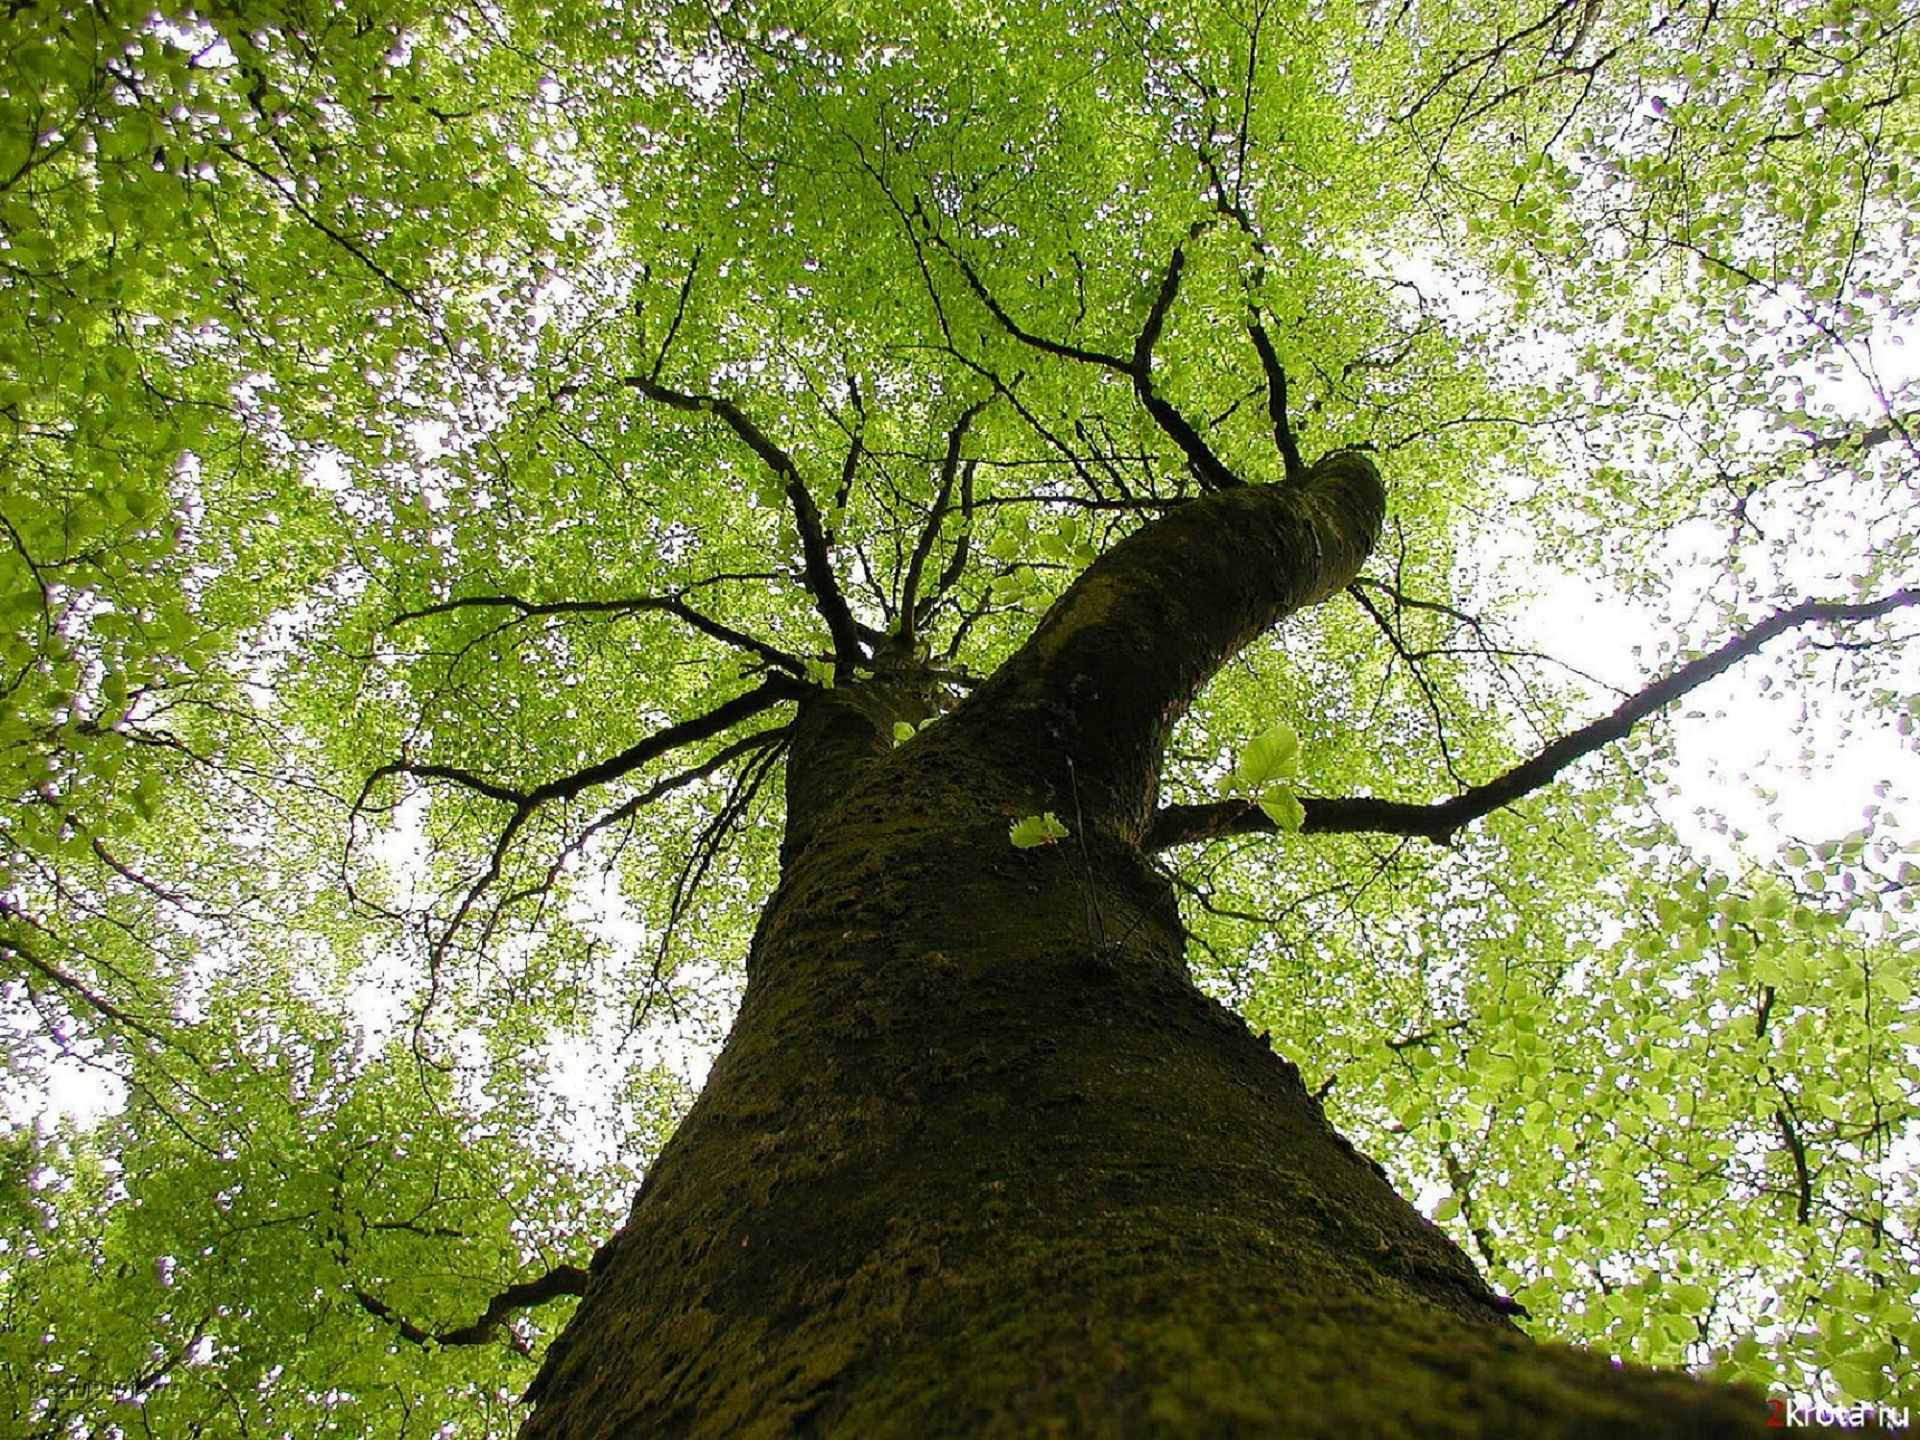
(453, 774)
(957, 562)
(1424, 1037)
(1896, 427)
(706, 849)
(288, 192)
(1190, 824)
(1157, 313)
(856, 447)
(1491, 55)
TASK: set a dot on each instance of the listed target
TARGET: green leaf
(1283, 807)
(1032, 831)
(1270, 756)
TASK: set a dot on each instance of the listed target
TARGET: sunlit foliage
(378, 386)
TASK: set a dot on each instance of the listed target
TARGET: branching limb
(1294, 467)
(1190, 824)
(821, 584)
(679, 314)
(1013, 327)
(1424, 1038)
(716, 721)
(78, 989)
(1484, 641)
(1461, 1177)
(670, 604)
(1009, 389)
(289, 193)
(1901, 428)
(702, 727)
(1487, 59)
(760, 740)
(956, 562)
(1797, 1148)
(1418, 675)
(561, 1281)
(1207, 467)
(1283, 441)
(701, 855)
(452, 774)
(856, 448)
(950, 469)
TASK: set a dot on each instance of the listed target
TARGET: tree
(532, 529)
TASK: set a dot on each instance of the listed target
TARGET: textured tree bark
(978, 1160)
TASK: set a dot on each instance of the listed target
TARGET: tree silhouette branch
(716, 721)
(71, 985)
(1283, 438)
(1208, 468)
(1440, 821)
(670, 604)
(679, 314)
(761, 740)
(1796, 1147)
(956, 562)
(557, 1283)
(1294, 466)
(930, 532)
(1419, 676)
(820, 581)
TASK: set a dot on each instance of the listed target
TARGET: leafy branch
(525, 803)
(914, 611)
(73, 986)
(1294, 467)
(1439, 822)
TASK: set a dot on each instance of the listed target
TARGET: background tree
(455, 464)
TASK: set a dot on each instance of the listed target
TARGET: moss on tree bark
(978, 1159)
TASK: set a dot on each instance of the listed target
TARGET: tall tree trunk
(978, 1159)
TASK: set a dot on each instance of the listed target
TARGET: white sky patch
(1759, 754)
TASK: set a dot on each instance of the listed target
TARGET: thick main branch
(1086, 706)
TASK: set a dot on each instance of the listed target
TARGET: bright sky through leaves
(424, 432)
